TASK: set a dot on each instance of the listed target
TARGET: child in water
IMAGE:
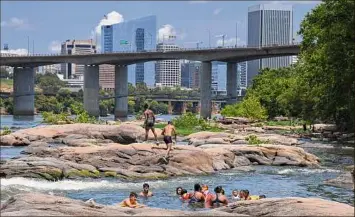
(131, 202)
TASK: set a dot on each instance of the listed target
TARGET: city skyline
(191, 22)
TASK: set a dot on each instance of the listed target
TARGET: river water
(268, 180)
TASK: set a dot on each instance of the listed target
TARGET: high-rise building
(71, 70)
(242, 75)
(269, 24)
(190, 74)
(219, 77)
(53, 69)
(167, 72)
(134, 35)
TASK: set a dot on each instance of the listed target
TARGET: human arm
(175, 134)
(163, 132)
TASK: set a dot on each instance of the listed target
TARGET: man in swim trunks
(131, 202)
(146, 192)
(149, 123)
(167, 133)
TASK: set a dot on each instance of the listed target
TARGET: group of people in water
(201, 196)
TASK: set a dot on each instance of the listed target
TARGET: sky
(48, 23)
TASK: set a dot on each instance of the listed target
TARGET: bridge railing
(159, 50)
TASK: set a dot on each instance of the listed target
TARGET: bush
(51, 118)
(254, 140)
(5, 131)
(249, 108)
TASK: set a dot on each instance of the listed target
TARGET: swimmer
(244, 195)
(185, 195)
(235, 195)
(219, 199)
(131, 201)
(167, 133)
(256, 197)
(208, 195)
(179, 191)
(146, 192)
(197, 196)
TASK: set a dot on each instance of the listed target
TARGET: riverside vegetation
(320, 86)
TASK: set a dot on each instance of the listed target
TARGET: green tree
(50, 83)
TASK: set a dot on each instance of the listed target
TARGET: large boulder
(290, 207)
(124, 133)
(37, 204)
(145, 161)
(345, 180)
(319, 128)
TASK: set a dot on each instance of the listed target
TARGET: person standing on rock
(167, 133)
(149, 123)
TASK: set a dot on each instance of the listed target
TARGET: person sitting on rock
(197, 196)
(131, 202)
(235, 195)
(167, 133)
(146, 192)
(257, 197)
(219, 199)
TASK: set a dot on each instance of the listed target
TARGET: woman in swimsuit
(197, 196)
(219, 199)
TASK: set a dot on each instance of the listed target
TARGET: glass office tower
(133, 35)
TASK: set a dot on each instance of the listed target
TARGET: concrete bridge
(24, 72)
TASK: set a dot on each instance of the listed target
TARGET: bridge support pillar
(231, 83)
(121, 91)
(170, 108)
(205, 87)
(184, 107)
(24, 90)
(91, 90)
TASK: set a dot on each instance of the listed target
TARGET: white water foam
(305, 171)
(27, 184)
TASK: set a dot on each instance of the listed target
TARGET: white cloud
(165, 31)
(197, 2)
(217, 11)
(20, 51)
(15, 22)
(55, 46)
(111, 18)
(295, 2)
(230, 42)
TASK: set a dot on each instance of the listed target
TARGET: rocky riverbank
(36, 204)
(144, 161)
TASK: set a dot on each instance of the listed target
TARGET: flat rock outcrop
(345, 180)
(136, 161)
(76, 134)
(201, 138)
(36, 204)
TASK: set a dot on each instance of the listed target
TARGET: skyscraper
(167, 72)
(269, 24)
(242, 74)
(134, 35)
(219, 77)
(71, 70)
(190, 74)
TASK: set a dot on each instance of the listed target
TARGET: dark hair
(197, 187)
(133, 194)
(184, 191)
(146, 106)
(262, 196)
(170, 122)
(145, 185)
(222, 192)
(178, 189)
(218, 189)
(246, 192)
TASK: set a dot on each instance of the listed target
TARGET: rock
(324, 127)
(345, 180)
(38, 204)
(201, 138)
(281, 118)
(113, 122)
(290, 207)
(143, 161)
(255, 129)
(282, 127)
(12, 140)
(123, 133)
(238, 120)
